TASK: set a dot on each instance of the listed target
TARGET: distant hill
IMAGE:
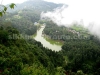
(39, 5)
(25, 14)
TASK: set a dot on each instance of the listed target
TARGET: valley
(52, 49)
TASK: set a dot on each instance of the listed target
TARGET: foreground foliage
(26, 57)
(82, 54)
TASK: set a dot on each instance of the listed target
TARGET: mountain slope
(24, 15)
(39, 5)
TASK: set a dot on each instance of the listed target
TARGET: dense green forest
(27, 57)
(80, 54)
(81, 49)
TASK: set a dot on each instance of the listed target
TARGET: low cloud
(83, 13)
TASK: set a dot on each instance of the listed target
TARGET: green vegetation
(26, 57)
(23, 24)
(3, 9)
(34, 35)
(54, 41)
(82, 55)
(19, 56)
(78, 28)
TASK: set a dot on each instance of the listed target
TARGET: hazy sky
(20, 1)
(56, 1)
(11, 1)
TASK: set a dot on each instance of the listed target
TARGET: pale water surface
(44, 42)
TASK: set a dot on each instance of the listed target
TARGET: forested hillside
(81, 49)
(26, 57)
(26, 14)
(19, 56)
(80, 54)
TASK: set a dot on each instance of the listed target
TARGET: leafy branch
(4, 8)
